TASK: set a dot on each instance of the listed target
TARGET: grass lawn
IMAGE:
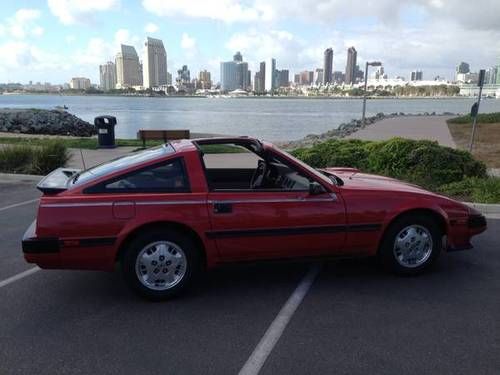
(486, 141)
(85, 143)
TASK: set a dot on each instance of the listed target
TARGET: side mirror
(315, 188)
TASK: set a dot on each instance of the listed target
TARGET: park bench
(165, 135)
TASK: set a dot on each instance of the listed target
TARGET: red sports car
(167, 213)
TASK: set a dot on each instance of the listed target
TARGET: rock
(40, 121)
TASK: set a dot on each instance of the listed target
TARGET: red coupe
(167, 213)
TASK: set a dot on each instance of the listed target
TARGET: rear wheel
(411, 244)
(160, 263)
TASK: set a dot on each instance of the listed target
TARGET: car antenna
(83, 159)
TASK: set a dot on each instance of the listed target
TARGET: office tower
(270, 78)
(79, 83)
(155, 63)
(417, 75)
(205, 79)
(319, 76)
(128, 68)
(107, 75)
(234, 74)
(350, 69)
(327, 66)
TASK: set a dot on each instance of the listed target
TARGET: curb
(486, 209)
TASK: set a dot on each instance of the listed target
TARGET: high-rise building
(463, 68)
(155, 63)
(107, 75)
(169, 78)
(270, 77)
(205, 80)
(183, 76)
(234, 74)
(296, 79)
(417, 75)
(128, 68)
(350, 68)
(283, 79)
(319, 77)
(79, 83)
(259, 81)
(327, 66)
(306, 77)
(338, 76)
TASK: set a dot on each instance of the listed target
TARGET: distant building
(350, 69)
(463, 68)
(296, 79)
(417, 75)
(79, 83)
(306, 77)
(359, 75)
(259, 81)
(234, 74)
(107, 75)
(319, 77)
(183, 76)
(327, 66)
(379, 73)
(204, 78)
(169, 78)
(270, 77)
(128, 67)
(283, 78)
(338, 77)
(155, 63)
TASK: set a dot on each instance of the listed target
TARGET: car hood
(355, 179)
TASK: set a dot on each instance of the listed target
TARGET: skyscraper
(327, 66)
(128, 68)
(463, 68)
(350, 69)
(417, 75)
(234, 74)
(107, 74)
(260, 79)
(270, 78)
(319, 76)
(205, 79)
(155, 63)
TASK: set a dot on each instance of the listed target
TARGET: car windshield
(121, 163)
(308, 167)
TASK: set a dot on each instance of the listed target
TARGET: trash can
(105, 131)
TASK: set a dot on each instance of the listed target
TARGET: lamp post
(373, 63)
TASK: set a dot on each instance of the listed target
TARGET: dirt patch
(486, 142)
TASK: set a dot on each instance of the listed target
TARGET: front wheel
(411, 245)
(160, 264)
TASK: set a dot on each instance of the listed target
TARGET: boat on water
(61, 108)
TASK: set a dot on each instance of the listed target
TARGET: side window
(166, 177)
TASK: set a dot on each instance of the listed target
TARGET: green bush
(483, 190)
(484, 118)
(425, 163)
(16, 159)
(49, 157)
(33, 160)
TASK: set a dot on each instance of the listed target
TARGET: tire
(160, 264)
(411, 245)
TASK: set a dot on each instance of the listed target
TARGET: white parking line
(18, 204)
(275, 330)
(19, 276)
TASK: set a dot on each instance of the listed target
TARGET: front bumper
(463, 231)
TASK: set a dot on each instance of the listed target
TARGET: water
(277, 119)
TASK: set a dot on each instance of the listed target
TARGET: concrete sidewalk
(413, 127)
(94, 157)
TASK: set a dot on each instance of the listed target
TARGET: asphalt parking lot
(354, 318)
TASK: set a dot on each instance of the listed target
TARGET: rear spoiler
(56, 181)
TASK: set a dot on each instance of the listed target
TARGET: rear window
(121, 163)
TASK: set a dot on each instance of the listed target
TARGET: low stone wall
(348, 128)
(42, 121)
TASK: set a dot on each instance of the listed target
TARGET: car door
(276, 224)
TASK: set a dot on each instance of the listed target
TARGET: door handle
(223, 208)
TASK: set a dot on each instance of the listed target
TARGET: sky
(54, 40)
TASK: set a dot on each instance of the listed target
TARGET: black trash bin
(105, 131)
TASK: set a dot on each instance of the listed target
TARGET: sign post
(475, 107)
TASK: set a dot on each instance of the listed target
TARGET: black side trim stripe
(54, 245)
(293, 231)
(101, 241)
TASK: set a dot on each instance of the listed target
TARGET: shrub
(49, 157)
(484, 118)
(422, 162)
(16, 159)
(483, 190)
(33, 160)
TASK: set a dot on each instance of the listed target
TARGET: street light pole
(373, 63)
(364, 94)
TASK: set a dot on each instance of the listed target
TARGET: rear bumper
(34, 245)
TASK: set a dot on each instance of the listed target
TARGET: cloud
(22, 24)
(219, 10)
(79, 11)
(187, 42)
(151, 28)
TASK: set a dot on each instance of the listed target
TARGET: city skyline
(58, 39)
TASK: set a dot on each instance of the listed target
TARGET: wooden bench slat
(165, 135)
